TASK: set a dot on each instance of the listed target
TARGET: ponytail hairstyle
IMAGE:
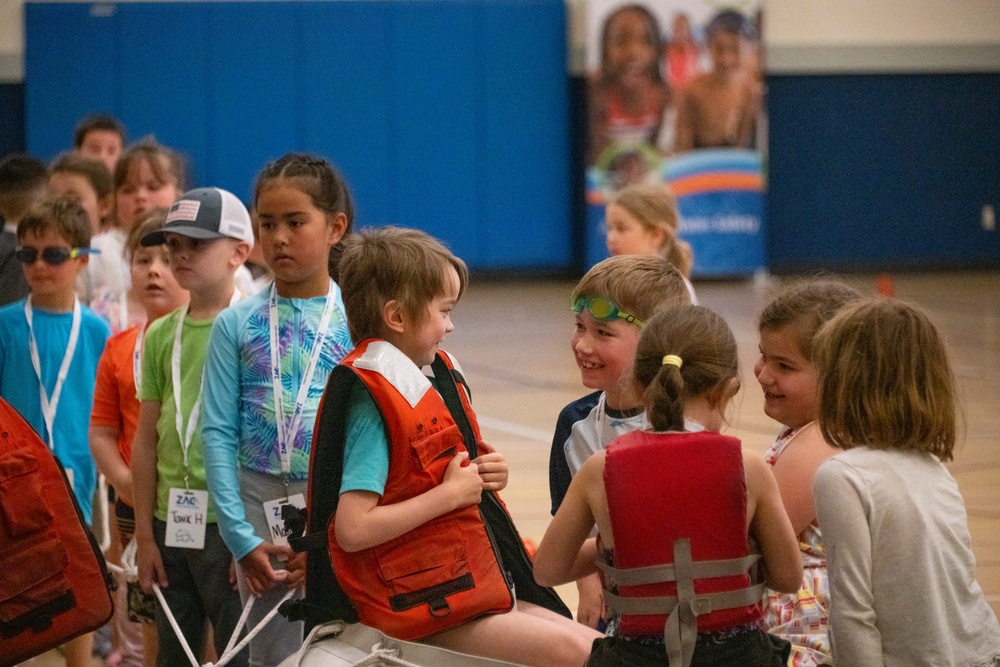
(325, 186)
(655, 207)
(684, 352)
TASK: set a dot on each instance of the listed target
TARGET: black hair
(731, 21)
(325, 186)
(22, 173)
(652, 24)
(94, 122)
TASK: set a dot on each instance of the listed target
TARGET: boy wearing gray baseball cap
(208, 235)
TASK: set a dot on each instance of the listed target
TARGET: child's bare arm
(492, 468)
(362, 523)
(144, 478)
(795, 471)
(104, 447)
(769, 524)
(684, 132)
(565, 553)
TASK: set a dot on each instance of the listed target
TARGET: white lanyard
(186, 435)
(289, 428)
(123, 310)
(49, 406)
(137, 357)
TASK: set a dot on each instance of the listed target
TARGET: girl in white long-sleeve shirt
(903, 589)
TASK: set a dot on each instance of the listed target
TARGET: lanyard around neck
(49, 406)
(140, 337)
(288, 427)
(186, 435)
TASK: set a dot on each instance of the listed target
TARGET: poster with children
(674, 98)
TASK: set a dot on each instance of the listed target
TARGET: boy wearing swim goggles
(610, 303)
(49, 347)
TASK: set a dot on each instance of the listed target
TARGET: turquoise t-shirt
(19, 384)
(366, 452)
(157, 385)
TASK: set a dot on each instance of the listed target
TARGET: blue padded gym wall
(447, 115)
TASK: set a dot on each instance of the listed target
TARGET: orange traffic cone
(883, 285)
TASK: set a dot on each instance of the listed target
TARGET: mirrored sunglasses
(603, 310)
(53, 255)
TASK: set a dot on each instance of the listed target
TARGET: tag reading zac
(69, 478)
(186, 516)
(272, 510)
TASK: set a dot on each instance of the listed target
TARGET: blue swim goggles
(604, 310)
(52, 255)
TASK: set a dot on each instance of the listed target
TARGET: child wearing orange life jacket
(700, 492)
(420, 543)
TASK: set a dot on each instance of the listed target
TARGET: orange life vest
(53, 580)
(446, 571)
(681, 562)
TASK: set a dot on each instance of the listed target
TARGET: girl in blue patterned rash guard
(277, 348)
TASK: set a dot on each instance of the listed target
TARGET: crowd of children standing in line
(202, 392)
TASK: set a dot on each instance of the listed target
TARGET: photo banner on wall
(674, 100)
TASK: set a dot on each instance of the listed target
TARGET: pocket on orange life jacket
(435, 442)
(425, 576)
(32, 557)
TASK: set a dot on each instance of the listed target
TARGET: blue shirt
(19, 384)
(237, 411)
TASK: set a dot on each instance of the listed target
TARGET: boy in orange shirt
(115, 414)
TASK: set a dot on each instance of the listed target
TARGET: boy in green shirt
(208, 236)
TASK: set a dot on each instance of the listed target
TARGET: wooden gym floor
(512, 340)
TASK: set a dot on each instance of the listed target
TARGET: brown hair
(97, 122)
(22, 182)
(885, 381)
(95, 171)
(150, 221)
(637, 285)
(655, 207)
(61, 215)
(165, 163)
(806, 307)
(392, 263)
(708, 355)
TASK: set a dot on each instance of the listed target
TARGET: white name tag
(187, 513)
(69, 478)
(276, 525)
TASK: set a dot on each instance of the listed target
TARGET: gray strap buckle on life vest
(681, 629)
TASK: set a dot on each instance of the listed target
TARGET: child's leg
(530, 635)
(183, 599)
(221, 601)
(77, 651)
(279, 638)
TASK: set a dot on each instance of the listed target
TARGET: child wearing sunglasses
(49, 348)
(611, 303)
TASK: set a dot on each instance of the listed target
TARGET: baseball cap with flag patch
(205, 213)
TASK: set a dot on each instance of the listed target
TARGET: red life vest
(677, 505)
(53, 580)
(446, 571)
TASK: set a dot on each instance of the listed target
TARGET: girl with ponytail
(691, 595)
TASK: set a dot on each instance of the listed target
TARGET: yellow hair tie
(672, 360)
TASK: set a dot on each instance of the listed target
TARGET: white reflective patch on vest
(385, 359)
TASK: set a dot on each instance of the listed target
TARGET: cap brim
(159, 237)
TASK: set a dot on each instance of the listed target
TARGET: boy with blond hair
(611, 303)
(208, 235)
(419, 541)
(49, 348)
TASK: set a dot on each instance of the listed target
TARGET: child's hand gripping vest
(443, 573)
(53, 580)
